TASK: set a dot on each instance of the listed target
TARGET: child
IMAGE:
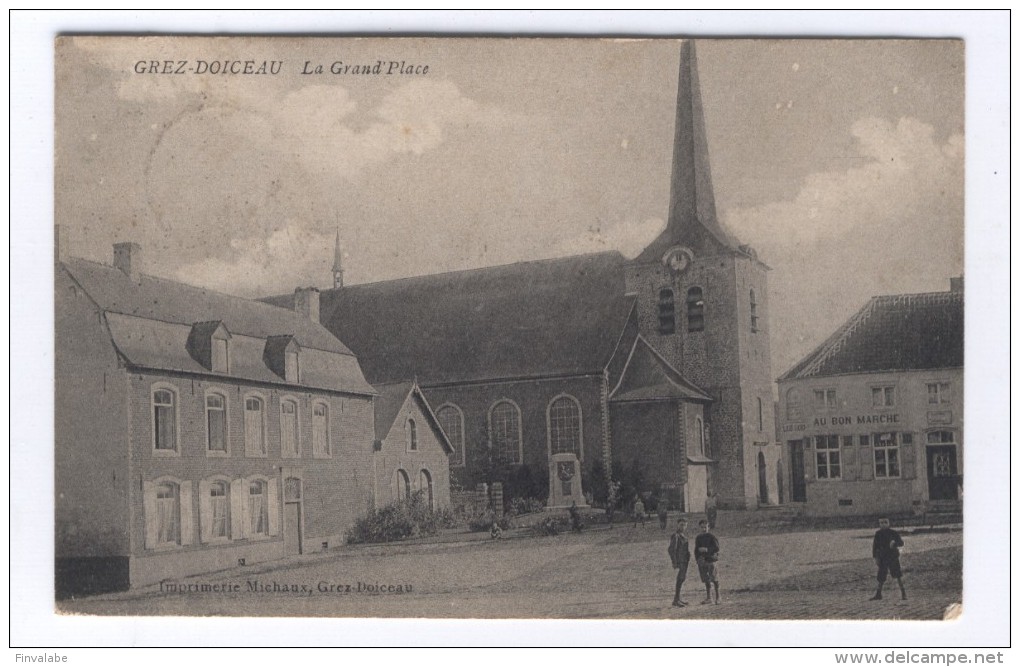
(639, 512)
(680, 555)
(885, 549)
(663, 514)
(706, 552)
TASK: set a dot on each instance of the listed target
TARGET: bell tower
(702, 302)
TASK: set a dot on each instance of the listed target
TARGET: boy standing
(885, 549)
(706, 552)
(680, 554)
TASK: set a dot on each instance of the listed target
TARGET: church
(596, 367)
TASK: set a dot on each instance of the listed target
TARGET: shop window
(827, 456)
(887, 456)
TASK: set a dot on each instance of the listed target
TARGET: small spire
(338, 265)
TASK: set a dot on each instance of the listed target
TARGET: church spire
(691, 199)
(338, 265)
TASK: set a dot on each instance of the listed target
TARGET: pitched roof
(649, 377)
(391, 398)
(692, 219)
(892, 333)
(151, 321)
(170, 301)
(530, 319)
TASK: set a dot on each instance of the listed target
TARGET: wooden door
(292, 528)
(942, 472)
(798, 488)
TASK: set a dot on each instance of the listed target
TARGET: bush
(520, 506)
(400, 520)
(551, 526)
(484, 522)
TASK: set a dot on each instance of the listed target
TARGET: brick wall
(533, 398)
(430, 456)
(336, 490)
(91, 455)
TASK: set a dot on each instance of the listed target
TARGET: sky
(841, 162)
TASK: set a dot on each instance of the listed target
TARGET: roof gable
(892, 333)
(647, 376)
(390, 402)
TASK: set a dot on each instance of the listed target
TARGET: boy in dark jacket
(680, 555)
(706, 552)
(885, 549)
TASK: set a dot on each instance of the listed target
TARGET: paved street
(618, 573)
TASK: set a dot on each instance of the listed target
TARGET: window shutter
(273, 508)
(238, 509)
(907, 461)
(849, 463)
(245, 527)
(149, 501)
(187, 522)
(204, 511)
(867, 466)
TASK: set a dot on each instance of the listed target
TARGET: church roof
(692, 219)
(530, 319)
(152, 319)
(892, 333)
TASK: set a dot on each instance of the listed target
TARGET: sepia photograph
(473, 329)
(509, 328)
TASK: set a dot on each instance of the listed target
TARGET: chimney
(128, 258)
(306, 302)
(956, 284)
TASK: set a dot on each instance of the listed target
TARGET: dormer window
(291, 371)
(220, 360)
(209, 345)
(282, 356)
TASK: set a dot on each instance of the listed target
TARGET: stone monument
(565, 481)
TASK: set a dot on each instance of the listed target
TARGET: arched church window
(505, 432)
(667, 314)
(565, 426)
(695, 309)
(452, 421)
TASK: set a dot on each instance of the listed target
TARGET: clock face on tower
(678, 258)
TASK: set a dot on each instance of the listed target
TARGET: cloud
(629, 237)
(290, 257)
(892, 223)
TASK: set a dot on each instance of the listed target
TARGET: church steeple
(338, 266)
(692, 219)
